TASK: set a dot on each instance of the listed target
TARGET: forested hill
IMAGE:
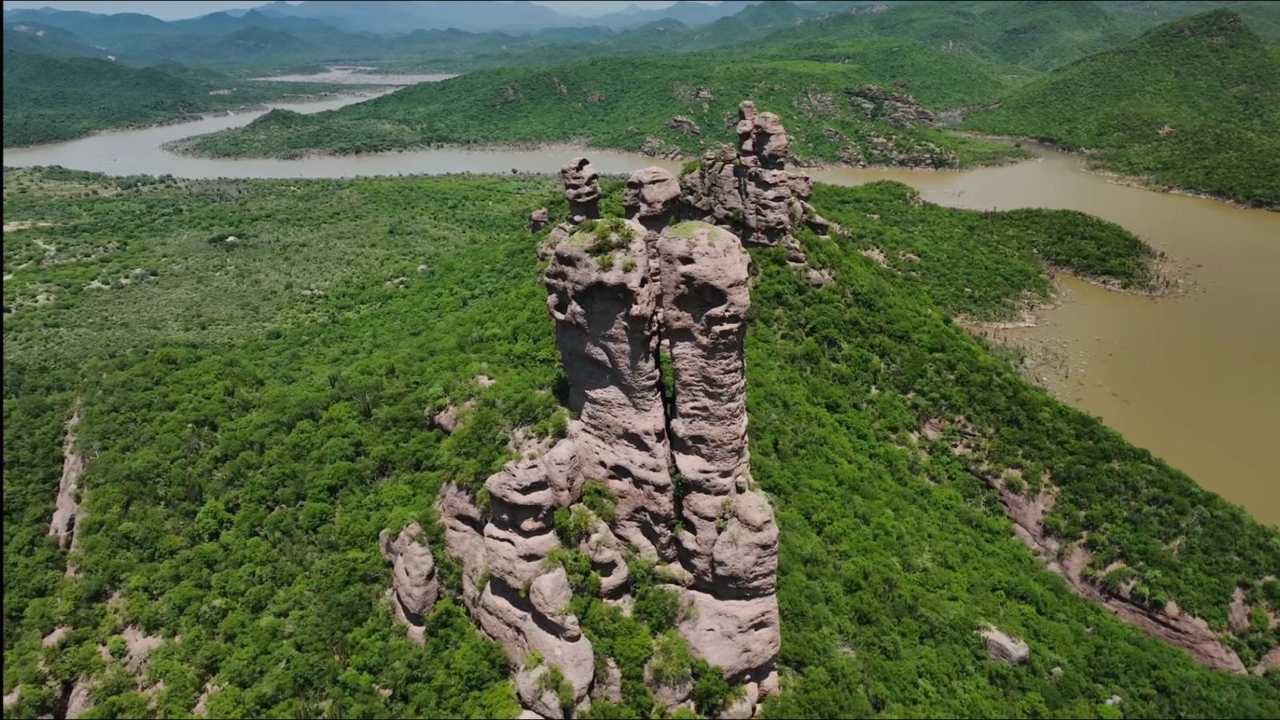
(1193, 105)
(49, 99)
(670, 106)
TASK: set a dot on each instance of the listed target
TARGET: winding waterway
(1194, 378)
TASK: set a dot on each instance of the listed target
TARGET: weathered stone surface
(667, 694)
(414, 585)
(704, 304)
(138, 648)
(680, 122)
(1003, 648)
(745, 706)
(741, 636)
(607, 332)
(550, 594)
(67, 510)
(605, 552)
(516, 558)
(515, 624)
(446, 419)
(762, 141)
(538, 219)
(748, 190)
(608, 685)
(618, 291)
(1270, 663)
(79, 700)
(745, 554)
(650, 195)
(581, 188)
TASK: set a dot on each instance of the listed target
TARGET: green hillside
(620, 103)
(253, 414)
(50, 99)
(1034, 35)
(1193, 105)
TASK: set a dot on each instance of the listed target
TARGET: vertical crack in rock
(618, 290)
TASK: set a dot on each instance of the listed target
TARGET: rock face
(1003, 648)
(581, 189)
(619, 290)
(746, 190)
(67, 512)
(898, 109)
(414, 589)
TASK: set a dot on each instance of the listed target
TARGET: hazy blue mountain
(388, 16)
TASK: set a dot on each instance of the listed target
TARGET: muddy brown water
(1194, 378)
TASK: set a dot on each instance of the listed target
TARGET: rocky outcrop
(680, 122)
(619, 290)
(746, 190)
(1003, 648)
(1169, 623)
(650, 197)
(900, 109)
(414, 587)
(538, 219)
(658, 148)
(581, 189)
(78, 699)
(67, 513)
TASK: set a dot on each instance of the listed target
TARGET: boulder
(1004, 648)
(650, 195)
(538, 219)
(680, 122)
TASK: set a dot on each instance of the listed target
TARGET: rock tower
(671, 277)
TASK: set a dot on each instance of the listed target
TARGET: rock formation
(581, 189)
(67, 512)
(619, 290)
(746, 189)
(538, 219)
(1003, 648)
(414, 588)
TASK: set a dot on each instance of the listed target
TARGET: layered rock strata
(619, 290)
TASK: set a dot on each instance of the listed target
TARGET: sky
(178, 9)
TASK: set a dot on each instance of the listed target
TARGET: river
(1195, 378)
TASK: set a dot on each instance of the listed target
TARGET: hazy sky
(176, 9)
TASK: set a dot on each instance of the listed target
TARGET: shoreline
(370, 91)
(1140, 182)
(182, 147)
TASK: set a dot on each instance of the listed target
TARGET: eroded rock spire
(675, 466)
(746, 190)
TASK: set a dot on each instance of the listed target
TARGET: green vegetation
(49, 99)
(1000, 276)
(254, 359)
(1193, 105)
(611, 103)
